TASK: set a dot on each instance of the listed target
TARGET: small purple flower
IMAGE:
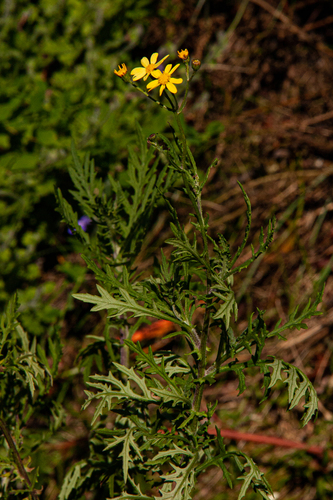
(84, 222)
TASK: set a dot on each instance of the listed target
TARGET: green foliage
(57, 84)
(123, 218)
(17, 357)
(25, 379)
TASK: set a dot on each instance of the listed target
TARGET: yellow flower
(164, 79)
(148, 67)
(183, 54)
(121, 71)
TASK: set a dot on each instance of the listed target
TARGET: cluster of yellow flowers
(150, 68)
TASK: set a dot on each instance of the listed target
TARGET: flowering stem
(188, 79)
(183, 139)
(194, 193)
(151, 97)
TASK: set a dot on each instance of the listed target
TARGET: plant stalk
(17, 458)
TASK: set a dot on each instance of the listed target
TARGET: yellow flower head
(148, 67)
(183, 54)
(164, 79)
(121, 71)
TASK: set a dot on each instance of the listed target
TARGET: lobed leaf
(254, 478)
(228, 307)
(128, 441)
(178, 485)
(299, 386)
(128, 305)
(162, 456)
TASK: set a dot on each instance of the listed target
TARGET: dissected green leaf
(119, 307)
(299, 386)
(71, 480)
(277, 366)
(162, 456)
(178, 485)
(172, 395)
(127, 441)
(254, 478)
(297, 322)
(227, 308)
(109, 397)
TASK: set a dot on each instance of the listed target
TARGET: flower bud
(151, 139)
(196, 64)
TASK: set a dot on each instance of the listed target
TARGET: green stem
(124, 350)
(194, 194)
(187, 87)
(17, 458)
(151, 97)
(183, 140)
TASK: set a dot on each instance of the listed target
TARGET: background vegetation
(262, 104)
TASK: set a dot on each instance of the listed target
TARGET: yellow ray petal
(160, 62)
(171, 87)
(138, 73)
(174, 69)
(152, 85)
(144, 62)
(153, 58)
(176, 80)
(156, 73)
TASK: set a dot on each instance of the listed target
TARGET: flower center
(150, 68)
(163, 79)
